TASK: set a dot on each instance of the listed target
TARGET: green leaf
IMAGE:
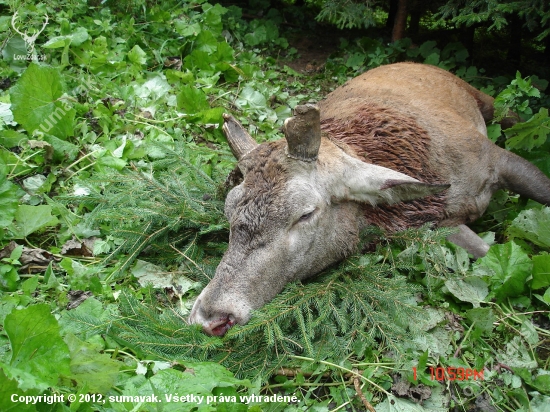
(185, 29)
(62, 150)
(483, 318)
(213, 16)
(432, 59)
(530, 134)
(75, 39)
(137, 55)
(198, 379)
(57, 42)
(8, 278)
(541, 271)
(532, 225)
(511, 267)
(494, 131)
(8, 388)
(32, 218)
(472, 289)
(89, 367)
(30, 285)
(251, 98)
(541, 382)
(39, 355)
(192, 100)
(15, 46)
(36, 102)
(9, 200)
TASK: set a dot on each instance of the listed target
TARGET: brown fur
(266, 174)
(382, 136)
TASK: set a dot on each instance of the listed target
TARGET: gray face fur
(283, 225)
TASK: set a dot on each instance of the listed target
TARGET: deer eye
(306, 216)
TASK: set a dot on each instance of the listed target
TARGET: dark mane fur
(384, 137)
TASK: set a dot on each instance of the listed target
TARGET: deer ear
(368, 183)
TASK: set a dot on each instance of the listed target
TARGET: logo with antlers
(29, 39)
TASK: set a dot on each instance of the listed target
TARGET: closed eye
(306, 216)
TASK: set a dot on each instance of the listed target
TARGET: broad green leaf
(213, 116)
(57, 42)
(8, 388)
(355, 60)
(533, 225)
(62, 150)
(10, 139)
(483, 318)
(517, 355)
(185, 29)
(10, 163)
(150, 274)
(32, 218)
(37, 348)
(192, 100)
(153, 88)
(494, 131)
(75, 39)
(29, 286)
(213, 16)
(541, 382)
(37, 105)
(530, 134)
(511, 267)
(540, 403)
(251, 98)
(8, 278)
(432, 59)
(89, 367)
(137, 55)
(472, 289)
(111, 161)
(541, 271)
(257, 37)
(529, 332)
(427, 48)
(206, 42)
(198, 379)
(14, 48)
(9, 200)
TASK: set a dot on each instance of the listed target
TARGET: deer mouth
(220, 327)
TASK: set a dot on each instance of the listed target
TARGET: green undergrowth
(113, 174)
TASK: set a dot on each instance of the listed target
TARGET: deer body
(399, 146)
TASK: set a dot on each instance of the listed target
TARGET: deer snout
(215, 321)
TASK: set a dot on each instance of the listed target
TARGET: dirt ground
(313, 50)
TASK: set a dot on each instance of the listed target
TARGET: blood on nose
(219, 326)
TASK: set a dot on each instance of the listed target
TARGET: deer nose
(219, 326)
(213, 324)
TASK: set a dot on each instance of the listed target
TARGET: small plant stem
(151, 125)
(381, 364)
(80, 170)
(343, 369)
(464, 339)
(123, 353)
(357, 386)
(77, 161)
